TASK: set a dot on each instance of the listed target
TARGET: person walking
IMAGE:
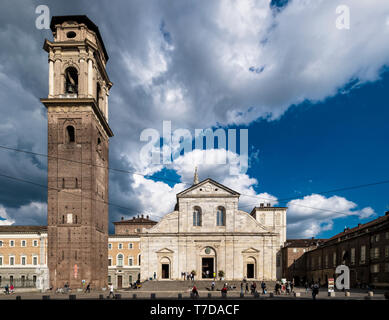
(247, 287)
(87, 288)
(6, 289)
(213, 285)
(263, 286)
(315, 291)
(12, 288)
(306, 287)
(241, 288)
(110, 286)
(288, 287)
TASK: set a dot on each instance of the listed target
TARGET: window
(139, 260)
(109, 261)
(1, 243)
(326, 260)
(1, 260)
(363, 254)
(130, 246)
(35, 243)
(221, 216)
(109, 279)
(70, 134)
(377, 237)
(334, 259)
(197, 217)
(109, 246)
(23, 261)
(375, 268)
(98, 93)
(12, 243)
(130, 261)
(352, 256)
(35, 260)
(386, 251)
(71, 80)
(12, 261)
(130, 279)
(120, 260)
(319, 262)
(120, 246)
(374, 253)
(23, 243)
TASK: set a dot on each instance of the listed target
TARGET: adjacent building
(23, 256)
(364, 249)
(124, 251)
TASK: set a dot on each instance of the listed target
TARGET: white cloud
(7, 220)
(158, 198)
(315, 213)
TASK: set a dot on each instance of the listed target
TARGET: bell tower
(78, 145)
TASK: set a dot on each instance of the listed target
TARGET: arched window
(70, 134)
(197, 216)
(120, 260)
(221, 216)
(71, 80)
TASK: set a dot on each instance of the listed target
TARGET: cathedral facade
(207, 234)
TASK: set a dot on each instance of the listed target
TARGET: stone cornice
(79, 102)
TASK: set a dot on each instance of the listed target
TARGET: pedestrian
(254, 287)
(87, 288)
(12, 288)
(263, 286)
(224, 291)
(247, 287)
(288, 287)
(6, 289)
(195, 293)
(315, 291)
(306, 287)
(110, 291)
(241, 288)
(213, 285)
(155, 275)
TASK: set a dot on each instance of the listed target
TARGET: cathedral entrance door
(165, 271)
(207, 268)
(250, 270)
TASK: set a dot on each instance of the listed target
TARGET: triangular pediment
(208, 187)
(250, 250)
(165, 250)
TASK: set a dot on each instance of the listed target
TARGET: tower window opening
(70, 134)
(98, 92)
(71, 80)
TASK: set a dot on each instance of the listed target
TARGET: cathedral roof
(208, 180)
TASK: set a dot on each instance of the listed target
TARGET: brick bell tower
(78, 142)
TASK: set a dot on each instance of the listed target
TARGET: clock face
(207, 250)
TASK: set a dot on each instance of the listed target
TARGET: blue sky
(312, 96)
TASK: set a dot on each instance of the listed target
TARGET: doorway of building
(120, 282)
(250, 271)
(207, 269)
(165, 271)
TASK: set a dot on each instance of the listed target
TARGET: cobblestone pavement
(171, 290)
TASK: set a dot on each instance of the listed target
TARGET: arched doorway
(165, 268)
(208, 263)
(251, 267)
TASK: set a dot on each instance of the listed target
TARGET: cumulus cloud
(177, 62)
(5, 220)
(315, 213)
